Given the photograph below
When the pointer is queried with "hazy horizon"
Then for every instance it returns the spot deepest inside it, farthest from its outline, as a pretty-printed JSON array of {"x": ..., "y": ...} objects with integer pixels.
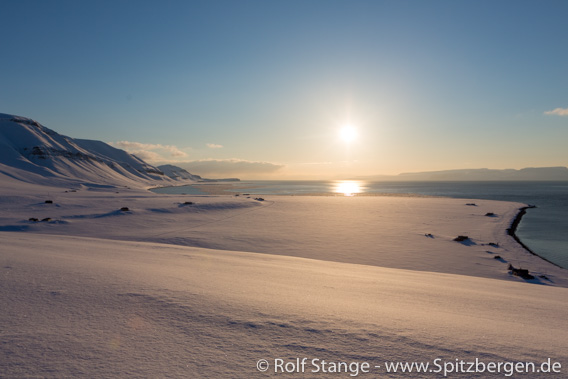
[
  {"x": 552, "y": 173},
  {"x": 295, "y": 90}
]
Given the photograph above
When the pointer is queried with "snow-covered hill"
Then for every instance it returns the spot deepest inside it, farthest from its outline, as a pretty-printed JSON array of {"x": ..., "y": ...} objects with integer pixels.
[
  {"x": 176, "y": 172},
  {"x": 32, "y": 153}
]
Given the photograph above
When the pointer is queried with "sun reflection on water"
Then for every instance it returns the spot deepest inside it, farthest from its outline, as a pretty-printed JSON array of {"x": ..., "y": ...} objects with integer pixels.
[{"x": 348, "y": 187}]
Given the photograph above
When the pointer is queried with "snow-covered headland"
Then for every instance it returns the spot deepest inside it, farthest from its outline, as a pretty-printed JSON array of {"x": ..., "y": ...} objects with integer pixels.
[{"x": 100, "y": 277}]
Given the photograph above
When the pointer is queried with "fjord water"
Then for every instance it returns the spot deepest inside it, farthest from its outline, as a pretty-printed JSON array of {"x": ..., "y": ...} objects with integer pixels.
[{"x": 543, "y": 229}]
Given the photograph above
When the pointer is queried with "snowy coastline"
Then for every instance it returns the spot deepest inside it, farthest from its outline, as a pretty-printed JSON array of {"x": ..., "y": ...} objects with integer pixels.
[
  {"x": 220, "y": 190},
  {"x": 513, "y": 229},
  {"x": 208, "y": 285}
]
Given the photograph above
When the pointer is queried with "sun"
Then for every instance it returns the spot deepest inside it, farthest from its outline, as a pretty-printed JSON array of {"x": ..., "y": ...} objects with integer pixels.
[{"x": 348, "y": 133}]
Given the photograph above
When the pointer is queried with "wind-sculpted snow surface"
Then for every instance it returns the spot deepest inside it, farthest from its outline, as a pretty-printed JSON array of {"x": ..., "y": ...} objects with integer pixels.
[
  {"x": 399, "y": 232},
  {"x": 83, "y": 307},
  {"x": 101, "y": 278}
]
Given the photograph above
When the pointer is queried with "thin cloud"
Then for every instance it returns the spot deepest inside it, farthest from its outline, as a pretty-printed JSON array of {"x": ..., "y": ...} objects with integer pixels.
[
  {"x": 174, "y": 151},
  {"x": 229, "y": 167},
  {"x": 148, "y": 156},
  {"x": 149, "y": 151},
  {"x": 128, "y": 145},
  {"x": 557, "y": 112},
  {"x": 317, "y": 163},
  {"x": 214, "y": 146}
]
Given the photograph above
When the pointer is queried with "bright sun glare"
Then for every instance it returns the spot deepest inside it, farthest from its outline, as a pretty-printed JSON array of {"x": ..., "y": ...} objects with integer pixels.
[
  {"x": 348, "y": 187},
  {"x": 348, "y": 133}
]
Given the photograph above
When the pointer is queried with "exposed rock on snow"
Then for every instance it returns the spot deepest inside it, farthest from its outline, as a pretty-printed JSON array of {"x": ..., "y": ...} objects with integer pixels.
[
  {"x": 32, "y": 153},
  {"x": 207, "y": 290}
]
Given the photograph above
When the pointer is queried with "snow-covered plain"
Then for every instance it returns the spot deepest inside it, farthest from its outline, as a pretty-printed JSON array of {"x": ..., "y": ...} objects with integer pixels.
[
  {"x": 207, "y": 289},
  {"x": 101, "y": 278}
]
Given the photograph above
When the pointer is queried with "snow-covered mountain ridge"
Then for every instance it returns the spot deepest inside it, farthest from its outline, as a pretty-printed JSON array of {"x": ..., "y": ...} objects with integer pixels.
[{"x": 33, "y": 153}]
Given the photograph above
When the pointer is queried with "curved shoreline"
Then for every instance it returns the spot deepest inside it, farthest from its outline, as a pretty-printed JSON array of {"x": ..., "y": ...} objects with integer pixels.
[
  {"x": 206, "y": 188},
  {"x": 513, "y": 228}
]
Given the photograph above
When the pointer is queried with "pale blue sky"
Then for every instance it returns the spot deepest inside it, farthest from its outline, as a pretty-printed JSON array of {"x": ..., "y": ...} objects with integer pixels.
[{"x": 429, "y": 85}]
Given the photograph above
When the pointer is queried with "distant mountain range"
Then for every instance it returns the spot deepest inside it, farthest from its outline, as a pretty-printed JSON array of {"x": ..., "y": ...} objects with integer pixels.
[
  {"x": 179, "y": 173},
  {"x": 32, "y": 153},
  {"x": 482, "y": 174}
]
